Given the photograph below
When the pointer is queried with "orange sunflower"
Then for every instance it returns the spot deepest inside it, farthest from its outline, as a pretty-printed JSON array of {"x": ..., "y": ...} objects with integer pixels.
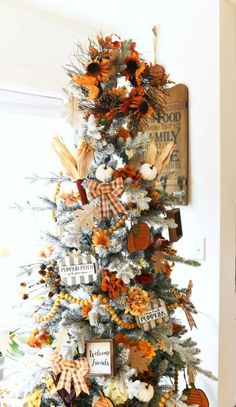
[
  {"x": 99, "y": 70},
  {"x": 134, "y": 67},
  {"x": 142, "y": 109}
]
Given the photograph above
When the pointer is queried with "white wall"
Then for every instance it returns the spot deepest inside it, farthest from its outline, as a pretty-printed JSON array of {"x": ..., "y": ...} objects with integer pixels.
[
  {"x": 227, "y": 357},
  {"x": 189, "y": 48},
  {"x": 36, "y": 45}
]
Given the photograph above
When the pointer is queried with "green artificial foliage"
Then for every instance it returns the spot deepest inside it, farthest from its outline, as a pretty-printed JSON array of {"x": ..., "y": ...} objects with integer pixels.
[{"x": 117, "y": 92}]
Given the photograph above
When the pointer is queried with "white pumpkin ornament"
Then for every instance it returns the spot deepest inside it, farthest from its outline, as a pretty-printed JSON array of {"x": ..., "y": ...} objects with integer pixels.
[
  {"x": 145, "y": 392},
  {"x": 155, "y": 162},
  {"x": 148, "y": 171},
  {"x": 104, "y": 173}
]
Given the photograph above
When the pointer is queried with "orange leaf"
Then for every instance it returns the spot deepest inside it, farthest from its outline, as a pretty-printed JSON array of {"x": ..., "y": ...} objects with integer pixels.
[
  {"x": 93, "y": 92},
  {"x": 138, "y": 360},
  {"x": 158, "y": 258},
  {"x": 93, "y": 50},
  {"x": 103, "y": 402},
  {"x": 88, "y": 82},
  {"x": 140, "y": 70}
]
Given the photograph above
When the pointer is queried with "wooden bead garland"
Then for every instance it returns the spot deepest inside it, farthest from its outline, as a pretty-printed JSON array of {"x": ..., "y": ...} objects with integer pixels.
[
  {"x": 55, "y": 196},
  {"x": 57, "y": 191},
  {"x": 172, "y": 307},
  {"x": 112, "y": 229},
  {"x": 164, "y": 398},
  {"x": 77, "y": 301}
]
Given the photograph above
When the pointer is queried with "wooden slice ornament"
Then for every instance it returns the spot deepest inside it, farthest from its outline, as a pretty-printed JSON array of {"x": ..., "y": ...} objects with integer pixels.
[
  {"x": 139, "y": 237},
  {"x": 195, "y": 396}
]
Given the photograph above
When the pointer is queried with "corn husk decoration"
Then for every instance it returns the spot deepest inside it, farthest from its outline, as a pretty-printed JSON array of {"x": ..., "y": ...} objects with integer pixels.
[
  {"x": 76, "y": 166},
  {"x": 155, "y": 162}
]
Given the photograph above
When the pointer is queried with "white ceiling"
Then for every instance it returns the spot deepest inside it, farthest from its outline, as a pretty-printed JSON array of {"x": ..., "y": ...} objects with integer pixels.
[{"x": 123, "y": 14}]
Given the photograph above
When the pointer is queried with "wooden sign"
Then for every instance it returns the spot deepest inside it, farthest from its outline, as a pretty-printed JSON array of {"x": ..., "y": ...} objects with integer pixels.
[
  {"x": 78, "y": 269},
  {"x": 100, "y": 357},
  {"x": 175, "y": 233},
  {"x": 173, "y": 126},
  {"x": 150, "y": 319}
]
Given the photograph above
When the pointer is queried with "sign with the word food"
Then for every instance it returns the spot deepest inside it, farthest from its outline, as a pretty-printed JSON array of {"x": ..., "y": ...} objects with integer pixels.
[
  {"x": 173, "y": 126},
  {"x": 100, "y": 356},
  {"x": 78, "y": 269}
]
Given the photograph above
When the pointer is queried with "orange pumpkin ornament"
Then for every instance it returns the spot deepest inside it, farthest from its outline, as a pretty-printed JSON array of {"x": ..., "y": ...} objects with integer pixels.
[
  {"x": 139, "y": 237},
  {"x": 196, "y": 396},
  {"x": 104, "y": 402}
]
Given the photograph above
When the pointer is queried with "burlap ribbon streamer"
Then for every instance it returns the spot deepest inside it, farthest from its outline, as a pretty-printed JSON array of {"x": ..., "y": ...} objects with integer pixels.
[
  {"x": 108, "y": 193},
  {"x": 186, "y": 304},
  {"x": 70, "y": 370}
]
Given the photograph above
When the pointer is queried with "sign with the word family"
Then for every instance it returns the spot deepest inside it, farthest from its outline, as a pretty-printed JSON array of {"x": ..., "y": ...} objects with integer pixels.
[
  {"x": 173, "y": 126},
  {"x": 100, "y": 356},
  {"x": 78, "y": 269}
]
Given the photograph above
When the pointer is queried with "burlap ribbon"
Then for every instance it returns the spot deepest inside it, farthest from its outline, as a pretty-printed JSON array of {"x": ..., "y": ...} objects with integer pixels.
[
  {"x": 186, "y": 304},
  {"x": 108, "y": 194},
  {"x": 189, "y": 316},
  {"x": 70, "y": 370}
]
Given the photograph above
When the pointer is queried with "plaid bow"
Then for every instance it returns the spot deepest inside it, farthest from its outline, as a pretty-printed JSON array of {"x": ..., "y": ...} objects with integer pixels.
[
  {"x": 187, "y": 305},
  {"x": 108, "y": 194},
  {"x": 71, "y": 370}
]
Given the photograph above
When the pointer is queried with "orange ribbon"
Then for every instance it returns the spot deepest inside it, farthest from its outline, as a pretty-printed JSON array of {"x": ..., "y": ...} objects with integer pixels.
[
  {"x": 186, "y": 304},
  {"x": 70, "y": 370},
  {"x": 108, "y": 193}
]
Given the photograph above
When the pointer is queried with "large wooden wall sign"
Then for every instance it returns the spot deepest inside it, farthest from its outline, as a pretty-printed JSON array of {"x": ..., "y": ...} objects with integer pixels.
[{"x": 173, "y": 126}]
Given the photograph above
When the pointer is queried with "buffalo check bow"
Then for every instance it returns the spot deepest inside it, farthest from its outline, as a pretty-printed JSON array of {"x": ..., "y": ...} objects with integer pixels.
[
  {"x": 108, "y": 194},
  {"x": 71, "y": 370}
]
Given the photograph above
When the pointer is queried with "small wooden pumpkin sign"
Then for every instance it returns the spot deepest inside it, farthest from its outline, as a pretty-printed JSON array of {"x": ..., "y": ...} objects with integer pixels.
[
  {"x": 196, "y": 396},
  {"x": 139, "y": 237}
]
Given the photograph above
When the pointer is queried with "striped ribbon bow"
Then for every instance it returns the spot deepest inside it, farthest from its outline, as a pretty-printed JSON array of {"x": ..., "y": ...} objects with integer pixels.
[
  {"x": 187, "y": 305},
  {"x": 71, "y": 370},
  {"x": 108, "y": 194}
]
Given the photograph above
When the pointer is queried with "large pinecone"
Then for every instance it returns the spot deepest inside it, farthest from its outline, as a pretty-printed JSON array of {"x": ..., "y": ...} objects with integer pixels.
[{"x": 106, "y": 102}]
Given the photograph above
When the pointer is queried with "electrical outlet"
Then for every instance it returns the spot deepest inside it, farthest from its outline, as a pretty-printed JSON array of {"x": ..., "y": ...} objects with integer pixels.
[{"x": 199, "y": 249}]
